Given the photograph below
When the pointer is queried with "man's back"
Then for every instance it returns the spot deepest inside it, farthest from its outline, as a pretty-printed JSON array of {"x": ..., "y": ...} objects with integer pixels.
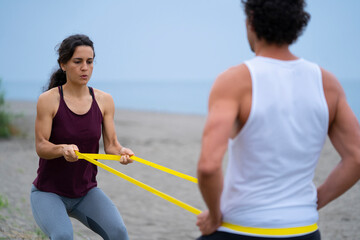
[
  {"x": 273, "y": 158},
  {"x": 272, "y": 26}
]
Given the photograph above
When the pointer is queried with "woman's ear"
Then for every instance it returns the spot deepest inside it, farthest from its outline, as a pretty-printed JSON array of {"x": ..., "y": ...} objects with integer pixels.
[{"x": 63, "y": 66}]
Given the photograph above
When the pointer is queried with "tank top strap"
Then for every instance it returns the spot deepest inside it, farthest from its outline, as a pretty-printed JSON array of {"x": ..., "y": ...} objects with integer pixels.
[
  {"x": 61, "y": 91},
  {"x": 62, "y": 94},
  {"x": 92, "y": 92}
]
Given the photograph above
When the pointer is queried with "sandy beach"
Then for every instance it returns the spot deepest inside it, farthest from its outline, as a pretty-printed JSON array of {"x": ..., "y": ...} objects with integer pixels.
[{"x": 170, "y": 140}]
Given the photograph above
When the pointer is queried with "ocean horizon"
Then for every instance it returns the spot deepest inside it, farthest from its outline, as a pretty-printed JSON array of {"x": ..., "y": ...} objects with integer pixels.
[{"x": 181, "y": 97}]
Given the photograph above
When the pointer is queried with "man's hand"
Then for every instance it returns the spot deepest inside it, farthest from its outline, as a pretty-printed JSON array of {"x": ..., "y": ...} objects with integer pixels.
[{"x": 206, "y": 223}]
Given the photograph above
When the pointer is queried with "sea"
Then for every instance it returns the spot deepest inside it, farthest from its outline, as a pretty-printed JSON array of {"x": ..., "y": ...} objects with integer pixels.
[
  {"x": 182, "y": 97},
  {"x": 179, "y": 97}
]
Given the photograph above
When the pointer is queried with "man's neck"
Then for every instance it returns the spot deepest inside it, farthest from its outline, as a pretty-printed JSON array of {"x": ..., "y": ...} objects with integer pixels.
[{"x": 274, "y": 51}]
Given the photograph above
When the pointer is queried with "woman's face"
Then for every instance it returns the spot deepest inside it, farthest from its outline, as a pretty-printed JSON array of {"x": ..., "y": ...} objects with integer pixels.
[{"x": 79, "y": 68}]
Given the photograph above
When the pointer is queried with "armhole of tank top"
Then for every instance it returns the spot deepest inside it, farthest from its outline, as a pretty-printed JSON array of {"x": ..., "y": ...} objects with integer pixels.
[
  {"x": 253, "y": 93},
  {"x": 322, "y": 95},
  {"x": 92, "y": 92},
  {"x": 61, "y": 97}
]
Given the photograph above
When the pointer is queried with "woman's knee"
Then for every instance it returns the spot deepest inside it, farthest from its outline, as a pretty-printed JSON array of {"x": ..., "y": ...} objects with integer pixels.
[
  {"x": 63, "y": 235},
  {"x": 118, "y": 232},
  {"x": 109, "y": 231}
]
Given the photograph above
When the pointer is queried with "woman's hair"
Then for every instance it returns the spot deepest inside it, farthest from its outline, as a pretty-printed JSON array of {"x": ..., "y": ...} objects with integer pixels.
[
  {"x": 66, "y": 51},
  {"x": 277, "y": 21}
]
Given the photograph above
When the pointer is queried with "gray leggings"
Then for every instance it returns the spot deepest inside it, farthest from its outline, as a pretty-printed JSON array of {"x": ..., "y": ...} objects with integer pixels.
[{"x": 95, "y": 210}]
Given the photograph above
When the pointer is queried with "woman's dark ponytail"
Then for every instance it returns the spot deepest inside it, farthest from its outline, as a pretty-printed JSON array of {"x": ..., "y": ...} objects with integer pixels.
[
  {"x": 58, "y": 78},
  {"x": 66, "y": 51}
]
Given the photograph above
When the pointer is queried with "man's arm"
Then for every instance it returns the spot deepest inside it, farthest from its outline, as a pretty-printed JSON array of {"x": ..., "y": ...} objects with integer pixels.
[
  {"x": 223, "y": 115},
  {"x": 344, "y": 133}
]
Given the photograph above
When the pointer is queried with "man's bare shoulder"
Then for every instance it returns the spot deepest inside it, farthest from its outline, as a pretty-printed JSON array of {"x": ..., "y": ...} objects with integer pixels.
[
  {"x": 330, "y": 82},
  {"x": 235, "y": 78},
  {"x": 332, "y": 87},
  {"x": 334, "y": 93},
  {"x": 235, "y": 72}
]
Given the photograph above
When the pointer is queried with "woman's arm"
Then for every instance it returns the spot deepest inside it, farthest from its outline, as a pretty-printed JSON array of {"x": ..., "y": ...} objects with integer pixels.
[
  {"x": 47, "y": 105},
  {"x": 111, "y": 143}
]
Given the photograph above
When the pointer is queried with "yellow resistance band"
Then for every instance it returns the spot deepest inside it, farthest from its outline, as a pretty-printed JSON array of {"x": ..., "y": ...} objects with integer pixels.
[
  {"x": 140, "y": 184},
  {"x": 248, "y": 230},
  {"x": 143, "y": 161}
]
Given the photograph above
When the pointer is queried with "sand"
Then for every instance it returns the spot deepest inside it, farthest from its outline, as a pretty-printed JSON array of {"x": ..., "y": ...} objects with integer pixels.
[{"x": 168, "y": 139}]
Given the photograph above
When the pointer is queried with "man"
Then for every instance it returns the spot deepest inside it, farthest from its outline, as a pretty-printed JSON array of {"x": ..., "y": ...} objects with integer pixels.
[{"x": 273, "y": 113}]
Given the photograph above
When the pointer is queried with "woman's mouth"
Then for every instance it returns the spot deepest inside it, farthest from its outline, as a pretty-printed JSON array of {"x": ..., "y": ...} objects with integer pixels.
[{"x": 84, "y": 76}]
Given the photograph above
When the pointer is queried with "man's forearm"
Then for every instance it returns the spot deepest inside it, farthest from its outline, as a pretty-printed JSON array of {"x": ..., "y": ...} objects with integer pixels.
[
  {"x": 342, "y": 178},
  {"x": 211, "y": 185}
]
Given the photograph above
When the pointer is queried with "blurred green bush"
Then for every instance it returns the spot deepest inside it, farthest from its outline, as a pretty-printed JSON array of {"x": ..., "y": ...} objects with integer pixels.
[{"x": 5, "y": 116}]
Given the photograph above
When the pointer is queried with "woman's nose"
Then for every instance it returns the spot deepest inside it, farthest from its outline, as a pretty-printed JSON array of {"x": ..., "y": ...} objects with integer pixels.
[{"x": 84, "y": 66}]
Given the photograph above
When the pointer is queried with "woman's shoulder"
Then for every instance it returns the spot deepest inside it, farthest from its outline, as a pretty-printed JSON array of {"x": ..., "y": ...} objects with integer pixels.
[
  {"x": 104, "y": 100},
  {"x": 101, "y": 95},
  {"x": 49, "y": 99},
  {"x": 50, "y": 95}
]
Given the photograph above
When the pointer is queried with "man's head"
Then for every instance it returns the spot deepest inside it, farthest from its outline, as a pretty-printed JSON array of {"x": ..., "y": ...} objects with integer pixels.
[{"x": 278, "y": 22}]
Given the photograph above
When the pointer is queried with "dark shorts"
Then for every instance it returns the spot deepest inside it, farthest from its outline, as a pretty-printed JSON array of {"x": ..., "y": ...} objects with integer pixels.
[{"x": 230, "y": 236}]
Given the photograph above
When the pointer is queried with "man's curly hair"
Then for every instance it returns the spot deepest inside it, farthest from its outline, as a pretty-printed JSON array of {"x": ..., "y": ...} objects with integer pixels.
[{"x": 277, "y": 21}]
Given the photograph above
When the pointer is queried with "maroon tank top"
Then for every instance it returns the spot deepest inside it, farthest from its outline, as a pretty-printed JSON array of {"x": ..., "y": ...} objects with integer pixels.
[{"x": 71, "y": 179}]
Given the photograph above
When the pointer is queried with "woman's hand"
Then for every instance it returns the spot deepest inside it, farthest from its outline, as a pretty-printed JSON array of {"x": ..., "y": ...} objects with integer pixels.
[
  {"x": 126, "y": 153},
  {"x": 69, "y": 152}
]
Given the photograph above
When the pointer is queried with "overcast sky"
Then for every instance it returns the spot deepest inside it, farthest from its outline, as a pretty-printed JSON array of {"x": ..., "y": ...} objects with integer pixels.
[{"x": 168, "y": 40}]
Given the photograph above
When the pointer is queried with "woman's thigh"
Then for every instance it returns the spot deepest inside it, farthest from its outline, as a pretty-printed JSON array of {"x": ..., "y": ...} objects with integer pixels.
[
  {"x": 50, "y": 214},
  {"x": 99, "y": 213}
]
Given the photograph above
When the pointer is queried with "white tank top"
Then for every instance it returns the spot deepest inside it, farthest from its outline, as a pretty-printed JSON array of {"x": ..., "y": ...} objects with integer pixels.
[{"x": 268, "y": 182}]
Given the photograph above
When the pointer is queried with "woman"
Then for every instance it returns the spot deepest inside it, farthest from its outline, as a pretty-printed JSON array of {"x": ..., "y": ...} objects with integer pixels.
[{"x": 70, "y": 117}]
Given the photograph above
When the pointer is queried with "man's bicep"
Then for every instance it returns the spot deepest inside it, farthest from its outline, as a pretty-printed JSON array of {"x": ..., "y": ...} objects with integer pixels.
[
  {"x": 344, "y": 132},
  {"x": 221, "y": 118},
  {"x": 215, "y": 137},
  {"x": 222, "y": 115}
]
